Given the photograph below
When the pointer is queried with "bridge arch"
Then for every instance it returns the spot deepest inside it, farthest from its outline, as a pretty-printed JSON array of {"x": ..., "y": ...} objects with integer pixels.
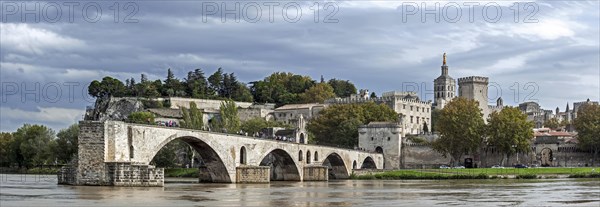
[
  {"x": 368, "y": 163},
  {"x": 283, "y": 167},
  {"x": 212, "y": 168},
  {"x": 337, "y": 167}
]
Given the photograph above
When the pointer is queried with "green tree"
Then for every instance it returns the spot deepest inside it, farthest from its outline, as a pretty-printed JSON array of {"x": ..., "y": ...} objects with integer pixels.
[
  {"x": 318, "y": 93},
  {"x": 281, "y": 88},
  {"x": 33, "y": 145},
  {"x": 256, "y": 124},
  {"x": 587, "y": 125},
  {"x": 460, "y": 125},
  {"x": 141, "y": 117},
  {"x": 67, "y": 143},
  {"x": 342, "y": 88},
  {"x": 338, "y": 124},
  {"x": 552, "y": 123},
  {"x": 373, "y": 95},
  {"x": 228, "y": 120},
  {"x": 166, "y": 156},
  {"x": 193, "y": 118},
  {"x": 435, "y": 115},
  {"x": 196, "y": 84},
  {"x": 6, "y": 139},
  {"x": 216, "y": 82},
  {"x": 108, "y": 86},
  {"x": 509, "y": 132}
]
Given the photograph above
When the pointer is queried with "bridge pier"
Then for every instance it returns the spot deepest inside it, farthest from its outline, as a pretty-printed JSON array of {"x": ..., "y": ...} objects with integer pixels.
[
  {"x": 252, "y": 174},
  {"x": 315, "y": 173}
]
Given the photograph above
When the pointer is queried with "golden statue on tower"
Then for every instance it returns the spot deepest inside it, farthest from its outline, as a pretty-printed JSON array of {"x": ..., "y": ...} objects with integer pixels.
[{"x": 444, "y": 59}]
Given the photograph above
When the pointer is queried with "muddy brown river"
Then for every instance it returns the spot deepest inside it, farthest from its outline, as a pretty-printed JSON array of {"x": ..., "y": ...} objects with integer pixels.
[{"x": 35, "y": 190}]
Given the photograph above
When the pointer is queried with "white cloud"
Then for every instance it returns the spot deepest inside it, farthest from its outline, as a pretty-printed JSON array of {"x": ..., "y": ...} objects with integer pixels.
[
  {"x": 35, "y": 41},
  {"x": 46, "y": 115}
]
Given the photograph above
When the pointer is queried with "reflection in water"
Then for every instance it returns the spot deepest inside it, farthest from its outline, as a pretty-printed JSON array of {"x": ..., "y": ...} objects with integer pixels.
[{"x": 20, "y": 190}]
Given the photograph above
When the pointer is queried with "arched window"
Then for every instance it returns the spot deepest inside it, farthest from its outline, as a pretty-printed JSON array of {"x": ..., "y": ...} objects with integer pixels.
[
  {"x": 243, "y": 155},
  {"x": 300, "y": 155},
  {"x": 316, "y": 156},
  {"x": 308, "y": 157},
  {"x": 354, "y": 164}
]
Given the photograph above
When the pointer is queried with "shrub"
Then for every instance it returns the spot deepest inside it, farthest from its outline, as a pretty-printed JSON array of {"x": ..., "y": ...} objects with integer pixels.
[{"x": 141, "y": 117}]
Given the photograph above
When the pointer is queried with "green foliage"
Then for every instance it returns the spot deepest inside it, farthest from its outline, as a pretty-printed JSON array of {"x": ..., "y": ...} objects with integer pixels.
[
  {"x": 166, "y": 156},
  {"x": 587, "y": 124},
  {"x": 108, "y": 86},
  {"x": 338, "y": 124},
  {"x": 509, "y": 131},
  {"x": 460, "y": 125},
  {"x": 141, "y": 117},
  {"x": 281, "y": 88},
  {"x": 435, "y": 114},
  {"x": 5, "y": 149},
  {"x": 192, "y": 117},
  {"x": 318, "y": 93},
  {"x": 33, "y": 145},
  {"x": 416, "y": 175},
  {"x": 228, "y": 121},
  {"x": 417, "y": 139},
  {"x": 256, "y": 124},
  {"x": 342, "y": 88},
  {"x": 552, "y": 123},
  {"x": 373, "y": 95},
  {"x": 67, "y": 143},
  {"x": 152, "y": 103}
]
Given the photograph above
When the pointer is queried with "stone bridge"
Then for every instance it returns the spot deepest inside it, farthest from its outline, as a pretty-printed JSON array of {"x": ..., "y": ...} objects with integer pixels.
[{"x": 118, "y": 153}]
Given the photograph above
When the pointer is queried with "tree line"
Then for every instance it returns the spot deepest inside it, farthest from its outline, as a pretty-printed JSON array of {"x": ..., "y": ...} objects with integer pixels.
[
  {"x": 37, "y": 145},
  {"x": 463, "y": 130},
  {"x": 280, "y": 88}
]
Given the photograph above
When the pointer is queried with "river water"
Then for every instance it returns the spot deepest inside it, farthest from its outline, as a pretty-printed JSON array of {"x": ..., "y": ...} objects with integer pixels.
[{"x": 32, "y": 190}]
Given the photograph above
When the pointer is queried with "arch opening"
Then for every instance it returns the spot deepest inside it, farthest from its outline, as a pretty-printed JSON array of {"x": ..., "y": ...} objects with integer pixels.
[
  {"x": 190, "y": 152},
  {"x": 354, "y": 165},
  {"x": 308, "y": 157},
  {"x": 243, "y": 155},
  {"x": 336, "y": 167},
  {"x": 283, "y": 167},
  {"x": 379, "y": 149},
  {"x": 300, "y": 155},
  {"x": 368, "y": 163},
  {"x": 316, "y": 156}
]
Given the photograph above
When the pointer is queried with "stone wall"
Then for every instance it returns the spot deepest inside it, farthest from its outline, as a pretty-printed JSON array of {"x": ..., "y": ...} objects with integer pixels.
[
  {"x": 91, "y": 169},
  {"x": 316, "y": 173},
  {"x": 128, "y": 174},
  {"x": 418, "y": 156},
  {"x": 252, "y": 174}
]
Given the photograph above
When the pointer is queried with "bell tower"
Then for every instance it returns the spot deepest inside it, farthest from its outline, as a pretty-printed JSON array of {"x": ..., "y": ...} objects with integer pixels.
[{"x": 444, "y": 87}]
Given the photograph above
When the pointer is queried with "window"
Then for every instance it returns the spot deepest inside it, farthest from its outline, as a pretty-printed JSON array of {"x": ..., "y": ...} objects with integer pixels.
[
  {"x": 417, "y": 119},
  {"x": 308, "y": 157},
  {"x": 389, "y": 139},
  {"x": 372, "y": 138},
  {"x": 411, "y": 108},
  {"x": 300, "y": 155},
  {"x": 411, "y": 119},
  {"x": 316, "y": 156},
  {"x": 404, "y": 106}
]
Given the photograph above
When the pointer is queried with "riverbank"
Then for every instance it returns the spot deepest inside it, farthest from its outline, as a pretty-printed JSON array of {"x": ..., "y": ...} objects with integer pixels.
[
  {"x": 481, "y": 173},
  {"x": 35, "y": 171},
  {"x": 182, "y": 172}
]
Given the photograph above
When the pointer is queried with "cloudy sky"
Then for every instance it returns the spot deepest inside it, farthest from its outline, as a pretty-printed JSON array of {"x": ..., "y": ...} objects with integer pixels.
[{"x": 544, "y": 51}]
